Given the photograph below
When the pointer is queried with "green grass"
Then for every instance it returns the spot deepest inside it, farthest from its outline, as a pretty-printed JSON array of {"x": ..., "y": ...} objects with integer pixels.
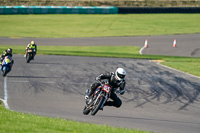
[
  {"x": 104, "y": 51},
  {"x": 97, "y": 25},
  {"x": 188, "y": 65},
  {"x": 179, "y": 63},
  {"x": 15, "y": 122}
]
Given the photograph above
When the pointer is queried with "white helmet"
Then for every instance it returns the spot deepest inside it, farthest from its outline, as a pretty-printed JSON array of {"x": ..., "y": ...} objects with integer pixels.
[{"x": 120, "y": 74}]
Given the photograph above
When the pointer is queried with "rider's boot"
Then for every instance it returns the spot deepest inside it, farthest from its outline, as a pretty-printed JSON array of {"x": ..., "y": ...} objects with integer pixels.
[{"x": 25, "y": 53}]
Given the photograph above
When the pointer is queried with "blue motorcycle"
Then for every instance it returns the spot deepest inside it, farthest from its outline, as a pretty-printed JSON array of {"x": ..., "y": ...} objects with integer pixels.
[{"x": 6, "y": 65}]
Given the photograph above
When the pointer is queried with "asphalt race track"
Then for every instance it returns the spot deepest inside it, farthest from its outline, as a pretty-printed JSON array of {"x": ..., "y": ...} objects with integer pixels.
[
  {"x": 187, "y": 44},
  {"x": 157, "y": 98}
]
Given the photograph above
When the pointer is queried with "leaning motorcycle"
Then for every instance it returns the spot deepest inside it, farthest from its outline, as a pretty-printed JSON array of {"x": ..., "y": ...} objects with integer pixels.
[
  {"x": 6, "y": 65},
  {"x": 30, "y": 54},
  {"x": 98, "y": 99}
]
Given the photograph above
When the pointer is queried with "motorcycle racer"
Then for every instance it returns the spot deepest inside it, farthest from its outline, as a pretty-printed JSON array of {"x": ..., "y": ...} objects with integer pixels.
[
  {"x": 5, "y": 53},
  {"x": 31, "y": 45},
  {"x": 116, "y": 80}
]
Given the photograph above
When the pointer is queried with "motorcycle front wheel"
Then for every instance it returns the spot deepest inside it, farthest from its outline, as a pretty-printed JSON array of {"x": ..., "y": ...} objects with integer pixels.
[
  {"x": 86, "y": 111},
  {"x": 97, "y": 106},
  {"x": 4, "y": 72},
  {"x": 28, "y": 58}
]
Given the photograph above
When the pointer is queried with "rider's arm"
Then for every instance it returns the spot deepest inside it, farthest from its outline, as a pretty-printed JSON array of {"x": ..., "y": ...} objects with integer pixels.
[
  {"x": 27, "y": 46},
  {"x": 122, "y": 88},
  {"x": 103, "y": 76},
  {"x": 3, "y": 54}
]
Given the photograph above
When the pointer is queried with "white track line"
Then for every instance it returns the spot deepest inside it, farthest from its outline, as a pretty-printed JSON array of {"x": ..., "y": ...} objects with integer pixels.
[
  {"x": 5, "y": 94},
  {"x": 141, "y": 50}
]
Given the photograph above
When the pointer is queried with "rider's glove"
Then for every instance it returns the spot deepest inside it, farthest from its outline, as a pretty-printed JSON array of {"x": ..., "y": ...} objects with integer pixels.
[
  {"x": 98, "y": 78},
  {"x": 121, "y": 92}
]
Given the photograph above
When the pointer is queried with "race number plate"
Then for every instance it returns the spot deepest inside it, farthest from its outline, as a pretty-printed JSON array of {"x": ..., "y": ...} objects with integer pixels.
[{"x": 106, "y": 88}]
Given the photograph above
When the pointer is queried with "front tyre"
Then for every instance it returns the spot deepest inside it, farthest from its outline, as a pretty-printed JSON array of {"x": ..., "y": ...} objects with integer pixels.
[
  {"x": 4, "y": 71},
  {"x": 28, "y": 58},
  {"x": 86, "y": 111},
  {"x": 97, "y": 106}
]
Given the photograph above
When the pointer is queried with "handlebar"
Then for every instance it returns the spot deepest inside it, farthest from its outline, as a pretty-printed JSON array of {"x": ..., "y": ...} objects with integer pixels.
[{"x": 100, "y": 82}]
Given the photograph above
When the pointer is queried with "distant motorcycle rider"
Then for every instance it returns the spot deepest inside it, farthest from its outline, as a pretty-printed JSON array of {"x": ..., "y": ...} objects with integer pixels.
[
  {"x": 5, "y": 53},
  {"x": 116, "y": 80},
  {"x": 31, "y": 45}
]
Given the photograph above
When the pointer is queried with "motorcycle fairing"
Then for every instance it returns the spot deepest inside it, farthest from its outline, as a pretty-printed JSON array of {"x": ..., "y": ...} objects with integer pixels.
[{"x": 106, "y": 88}]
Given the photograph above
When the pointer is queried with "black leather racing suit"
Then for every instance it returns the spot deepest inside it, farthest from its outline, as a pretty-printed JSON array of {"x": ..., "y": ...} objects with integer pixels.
[{"x": 115, "y": 84}]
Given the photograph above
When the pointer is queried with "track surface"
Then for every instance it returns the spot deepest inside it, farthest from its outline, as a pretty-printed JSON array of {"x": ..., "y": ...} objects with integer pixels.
[
  {"x": 187, "y": 44},
  {"x": 157, "y": 98}
]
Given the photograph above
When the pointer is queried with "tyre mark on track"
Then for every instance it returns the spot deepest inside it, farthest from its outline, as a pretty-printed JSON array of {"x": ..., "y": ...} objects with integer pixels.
[{"x": 195, "y": 51}]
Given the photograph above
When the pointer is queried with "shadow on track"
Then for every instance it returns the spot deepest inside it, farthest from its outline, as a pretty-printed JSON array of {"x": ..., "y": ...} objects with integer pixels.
[
  {"x": 195, "y": 52},
  {"x": 29, "y": 77},
  {"x": 158, "y": 86},
  {"x": 46, "y": 63}
]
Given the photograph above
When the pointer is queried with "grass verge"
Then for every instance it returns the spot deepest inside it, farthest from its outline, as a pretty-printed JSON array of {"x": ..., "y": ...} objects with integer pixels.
[
  {"x": 15, "y": 122},
  {"x": 177, "y": 62},
  {"x": 59, "y": 26}
]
